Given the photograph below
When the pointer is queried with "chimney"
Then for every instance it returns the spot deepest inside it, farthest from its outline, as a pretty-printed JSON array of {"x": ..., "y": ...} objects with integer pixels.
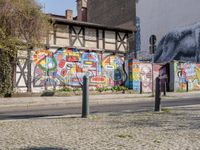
[
  {"x": 82, "y": 10},
  {"x": 69, "y": 14}
]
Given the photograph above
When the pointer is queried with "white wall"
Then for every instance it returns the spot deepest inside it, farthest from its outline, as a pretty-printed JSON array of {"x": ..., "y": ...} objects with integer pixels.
[{"x": 161, "y": 16}]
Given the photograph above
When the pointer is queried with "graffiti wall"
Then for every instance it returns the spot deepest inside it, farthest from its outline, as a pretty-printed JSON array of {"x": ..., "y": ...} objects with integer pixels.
[
  {"x": 68, "y": 66},
  {"x": 142, "y": 73},
  {"x": 187, "y": 72},
  {"x": 179, "y": 37},
  {"x": 134, "y": 76},
  {"x": 138, "y": 36},
  {"x": 113, "y": 68},
  {"x": 182, "y": 44},
  {"x": 164, "y": 78}
]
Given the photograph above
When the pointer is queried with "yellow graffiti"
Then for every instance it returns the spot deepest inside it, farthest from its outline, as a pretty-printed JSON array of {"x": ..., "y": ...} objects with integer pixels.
[
  {"x": 39, "y": 56},
  {"x": 197, "y": 71},
  {"x": 136, "y": 77},
  {"x": 69, "y": 52}
]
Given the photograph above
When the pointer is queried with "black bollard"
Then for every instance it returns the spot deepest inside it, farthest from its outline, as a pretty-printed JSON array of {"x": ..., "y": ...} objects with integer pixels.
[
  {"x": 187, "y": 86},
  {"x": 85, "y": 97},
  {"x": 140, "y": 87},
  {"x": 157, "y": 96}
]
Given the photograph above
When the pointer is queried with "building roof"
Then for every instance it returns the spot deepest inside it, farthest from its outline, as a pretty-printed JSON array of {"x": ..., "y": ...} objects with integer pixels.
[{"x": 62, "y": 20}]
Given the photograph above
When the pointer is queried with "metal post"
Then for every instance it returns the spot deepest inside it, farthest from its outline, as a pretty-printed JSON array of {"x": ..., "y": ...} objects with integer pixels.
[
  {"x": 140, "y": 87},
  {"x": 85, "y": 97},
  {"x": 157, "y": 96},
  {"x": 29, "y": 69},
  {"x": 152, "y": 48},
  {"x": 187, "y": 86},
  {"x": 152, "y": 76}
]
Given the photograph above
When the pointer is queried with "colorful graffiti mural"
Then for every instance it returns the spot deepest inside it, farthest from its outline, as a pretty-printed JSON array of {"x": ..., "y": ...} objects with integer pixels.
[
  {"x": 164, "y": 78},
  {"x": 113, "y": 68},
  {"x": 142, "y": 73},
  {"x": 134, "y": 76},
  {"x": 52, "y": 69},
  {"x": 68, "y": 66},
  {"x": 187, "y": 72}
]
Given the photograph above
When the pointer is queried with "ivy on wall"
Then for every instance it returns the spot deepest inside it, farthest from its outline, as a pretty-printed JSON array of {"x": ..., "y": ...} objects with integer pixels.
[
  {"x": 8, "y": 53},
  {"x": 22, "y": 25}
]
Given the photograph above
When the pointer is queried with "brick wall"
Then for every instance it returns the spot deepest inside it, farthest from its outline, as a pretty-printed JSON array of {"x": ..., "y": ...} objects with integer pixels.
[{"x": 120, "y": 13}]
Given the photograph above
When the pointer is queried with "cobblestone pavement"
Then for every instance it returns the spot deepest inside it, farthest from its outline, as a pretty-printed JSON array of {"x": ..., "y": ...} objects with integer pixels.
[{"x": 173, "y": 129}]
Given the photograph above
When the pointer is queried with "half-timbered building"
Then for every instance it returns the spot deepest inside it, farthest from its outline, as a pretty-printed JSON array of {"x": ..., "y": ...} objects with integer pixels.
[{"x": 72, "y": 50}]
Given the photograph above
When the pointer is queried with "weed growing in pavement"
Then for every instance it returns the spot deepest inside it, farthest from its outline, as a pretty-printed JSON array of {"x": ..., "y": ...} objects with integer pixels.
[
  {"x": 157, "y": 141},
  {"x": 125, "y": 136},
  {"x": 93, "y": 117},
  {"x": 167, "y": 110}
]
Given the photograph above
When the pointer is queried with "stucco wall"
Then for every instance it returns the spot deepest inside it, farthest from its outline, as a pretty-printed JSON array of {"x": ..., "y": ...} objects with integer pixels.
[{"x": 60, "y": 37}]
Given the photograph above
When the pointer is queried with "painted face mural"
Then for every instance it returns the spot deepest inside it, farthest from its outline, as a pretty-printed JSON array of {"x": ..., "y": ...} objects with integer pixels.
[
  {"x": 68, "y": 66},
  {"x": 141, "y": 73},
  {"x": 114, "y": 71},
  {"x": 146, "y": 77}
]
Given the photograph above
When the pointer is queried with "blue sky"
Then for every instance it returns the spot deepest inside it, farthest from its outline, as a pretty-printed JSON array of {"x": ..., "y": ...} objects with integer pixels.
[{"x": 58, "y": 6}]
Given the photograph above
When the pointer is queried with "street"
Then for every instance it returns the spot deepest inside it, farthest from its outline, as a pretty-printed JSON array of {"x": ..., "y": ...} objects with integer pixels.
[{"x": 60, "y": 110}]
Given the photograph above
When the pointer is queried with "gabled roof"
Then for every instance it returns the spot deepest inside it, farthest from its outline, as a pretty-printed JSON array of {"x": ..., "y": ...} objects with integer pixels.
[{"x": 62, "y": 20}]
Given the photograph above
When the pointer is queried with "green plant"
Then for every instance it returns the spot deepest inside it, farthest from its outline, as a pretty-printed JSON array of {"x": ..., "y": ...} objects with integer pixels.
[
  {"x": 181, "y": 91},
  {"x": 102, "y": 89},
  {"x": 65, "y": 89},
  {"x": 76, "y": 89},
  {"x": 119, "y": 88},
  {"x": 48, "y": 93}
]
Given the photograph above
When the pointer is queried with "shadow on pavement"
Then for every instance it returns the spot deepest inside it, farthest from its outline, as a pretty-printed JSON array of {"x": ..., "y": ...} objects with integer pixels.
[
  {"x": 175, "y": 119},
  {"x": 47, "y": 93},
  {"x": 9, "y": 117},
  {"x": 44, "y": 148}
]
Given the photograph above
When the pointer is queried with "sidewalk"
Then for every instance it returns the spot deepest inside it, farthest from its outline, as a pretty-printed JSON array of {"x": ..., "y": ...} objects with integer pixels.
[{"x": 94, "y": 99}]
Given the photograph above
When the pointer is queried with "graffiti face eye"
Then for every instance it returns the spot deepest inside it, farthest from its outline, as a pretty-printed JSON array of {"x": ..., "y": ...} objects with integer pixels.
[{"x": 69, "y": 66}]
